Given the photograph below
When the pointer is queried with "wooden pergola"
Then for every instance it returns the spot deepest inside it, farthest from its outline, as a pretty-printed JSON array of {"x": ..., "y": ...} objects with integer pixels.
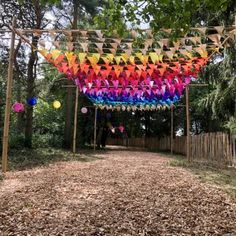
[{"x": 216, "y": 37}]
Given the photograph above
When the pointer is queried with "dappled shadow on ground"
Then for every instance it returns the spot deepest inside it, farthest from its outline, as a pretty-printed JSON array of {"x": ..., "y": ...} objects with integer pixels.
[
  {"x": 121, "y": 193},
  {"x": 31, "y": 158}
]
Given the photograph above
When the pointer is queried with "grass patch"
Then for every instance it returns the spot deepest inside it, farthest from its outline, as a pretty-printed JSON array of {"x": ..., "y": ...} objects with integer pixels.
[
  {"x": 30, "y": 158},
  {"x": 224, "y": 178}
]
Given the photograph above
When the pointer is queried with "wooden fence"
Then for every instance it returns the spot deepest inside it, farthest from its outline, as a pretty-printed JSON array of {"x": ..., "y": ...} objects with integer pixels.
[{"x": 219, "y": 148}]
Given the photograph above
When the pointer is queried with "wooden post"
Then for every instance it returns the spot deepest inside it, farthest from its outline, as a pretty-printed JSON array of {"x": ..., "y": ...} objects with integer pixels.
[
  {"x": 95, "y": 129},
  {"x": 75, "y": 119},
  {"x": 8, "y": 101},
  {"x": 172, "y": 130},
  {"x": 187, "y": 125}
]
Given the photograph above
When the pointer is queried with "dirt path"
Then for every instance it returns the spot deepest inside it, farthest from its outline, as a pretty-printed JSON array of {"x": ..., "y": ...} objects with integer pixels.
[{"x": 124, "y": 193}]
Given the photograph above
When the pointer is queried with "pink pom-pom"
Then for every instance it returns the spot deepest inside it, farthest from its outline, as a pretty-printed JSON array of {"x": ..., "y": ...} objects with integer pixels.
[
  {"x": 121, "y": 128},
  {"x": 18, "y": 107}
]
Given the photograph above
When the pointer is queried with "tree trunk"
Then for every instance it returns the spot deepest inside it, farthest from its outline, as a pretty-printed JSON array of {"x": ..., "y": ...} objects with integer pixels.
[
  {"x": 68, "y": 117},
  {"x": 69, "y": 95},
  {"x": 30, "y": 93},
  {"x": 31, "y": 76}
]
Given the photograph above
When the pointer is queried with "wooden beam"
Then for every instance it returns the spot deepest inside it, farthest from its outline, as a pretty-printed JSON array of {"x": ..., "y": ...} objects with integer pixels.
[
  {"x": 187, "y": 125},
  {"x": 25, "y": 31},
  {"x": 75, "y": 120},
  {"x": 192, "y": 85},
  {"x": 172, "y": 130},
  {"x": 8, "y": 102},
  {"x": 198, "y": 85},
  {"x": 95, "y": 129}
]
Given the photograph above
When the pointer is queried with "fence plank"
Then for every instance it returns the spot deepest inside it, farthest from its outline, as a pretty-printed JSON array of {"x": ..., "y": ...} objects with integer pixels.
[{"x": 218, "y": 148}]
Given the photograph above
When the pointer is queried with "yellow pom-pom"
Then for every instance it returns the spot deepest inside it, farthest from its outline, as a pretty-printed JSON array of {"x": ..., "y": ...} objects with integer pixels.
[{"x": 56, "y": 104}]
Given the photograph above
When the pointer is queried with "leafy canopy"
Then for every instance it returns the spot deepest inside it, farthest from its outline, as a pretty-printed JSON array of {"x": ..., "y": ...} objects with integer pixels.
[
  {"x": 43, "y": 2},
  {"x": 178, "y": 14}
]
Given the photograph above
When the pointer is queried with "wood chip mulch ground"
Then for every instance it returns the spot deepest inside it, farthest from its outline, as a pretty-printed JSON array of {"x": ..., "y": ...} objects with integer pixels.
[{"x": 123, "y": 193}]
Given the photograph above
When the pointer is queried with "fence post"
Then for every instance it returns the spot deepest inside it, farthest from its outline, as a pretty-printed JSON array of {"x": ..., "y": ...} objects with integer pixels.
[
  {"x": 187, "y": 125},
  {"x": 75, "y": 120},
  {"x": 95, "y": 129},
  {"x": 172, "y": 130}
]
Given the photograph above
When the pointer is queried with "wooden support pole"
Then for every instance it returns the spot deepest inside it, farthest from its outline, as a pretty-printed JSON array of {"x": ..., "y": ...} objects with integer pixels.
[
  {"x": 172, "y": 130},
  {"x": 75, "y": 119},
  {"x": 95, "y": 129},
  {"x": 187, "y": 125},
  {"x": 8, "y": 101}
]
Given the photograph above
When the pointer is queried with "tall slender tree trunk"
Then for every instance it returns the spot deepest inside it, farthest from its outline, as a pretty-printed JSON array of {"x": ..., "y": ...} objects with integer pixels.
[
  {"x": 69, "y": 94},
  {"x": 30, "y": 93},
  {"x": 31, "y": 76},
  {"x": 68, "y": 117}
]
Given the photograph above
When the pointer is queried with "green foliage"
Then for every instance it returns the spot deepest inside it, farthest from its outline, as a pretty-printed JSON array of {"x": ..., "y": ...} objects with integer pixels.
[
  {"x": 221, "y": 98},
  {"x": 178, "y": 15},
  {"x": 43, "y": 2},
  {"x": 16, "y": 140},
  {"x": 231, "y": 124},
  {"x": 111, "y": 18},
  {"x": 48, "y": 124}
]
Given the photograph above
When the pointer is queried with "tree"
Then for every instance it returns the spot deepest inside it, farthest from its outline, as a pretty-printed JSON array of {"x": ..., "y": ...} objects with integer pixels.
[
  {"x": 220, "y": 101},
  {"x": 30, "y": 14},
  {"x": 178, "y": 15}
]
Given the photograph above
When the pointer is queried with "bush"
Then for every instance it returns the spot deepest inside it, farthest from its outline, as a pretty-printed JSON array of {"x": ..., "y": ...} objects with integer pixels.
[
  {"x": 16, "y": 141},
  {"x": 46, "y": 140}
]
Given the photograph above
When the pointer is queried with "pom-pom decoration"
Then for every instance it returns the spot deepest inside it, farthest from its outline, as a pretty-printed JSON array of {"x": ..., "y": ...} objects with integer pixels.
[
  {"x": 32, "y": 101},
  {"x": 18, "y": 107},
  {"x": 84, "y": 110},
  {"x": 121, "y": 128},
  {"x": 56, "y": 104}
]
